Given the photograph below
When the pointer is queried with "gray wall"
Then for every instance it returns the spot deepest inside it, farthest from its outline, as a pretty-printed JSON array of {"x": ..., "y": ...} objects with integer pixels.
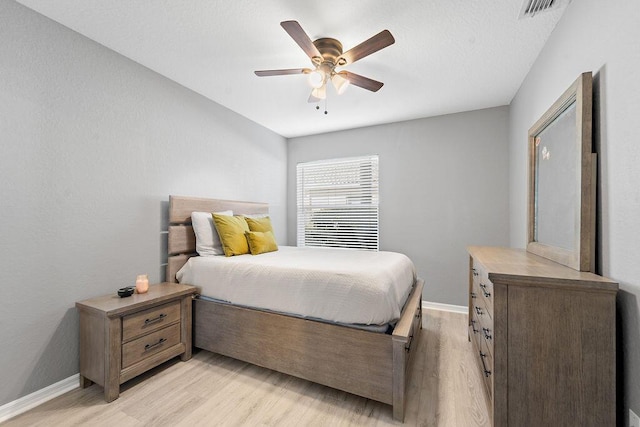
[
  {"x": 602, "y": 37},
  {"x": 92, "y": 146},
  {"x": 443, "y": 186}
]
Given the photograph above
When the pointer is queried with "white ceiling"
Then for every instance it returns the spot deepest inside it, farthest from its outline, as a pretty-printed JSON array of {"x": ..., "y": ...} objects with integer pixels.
[{"x": 449, "y": 56}]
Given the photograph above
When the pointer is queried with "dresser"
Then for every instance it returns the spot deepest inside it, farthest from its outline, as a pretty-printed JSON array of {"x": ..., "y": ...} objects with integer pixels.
[
  {"x": 121, "y": 338},
  {"x": 544, "y": 339}
]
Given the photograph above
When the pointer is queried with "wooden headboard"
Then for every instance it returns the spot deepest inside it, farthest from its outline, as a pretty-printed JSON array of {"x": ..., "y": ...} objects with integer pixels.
[{"x": 182, "y": 240}]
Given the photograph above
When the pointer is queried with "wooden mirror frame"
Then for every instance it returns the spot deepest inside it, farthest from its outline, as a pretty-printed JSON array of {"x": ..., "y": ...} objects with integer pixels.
[{"x": 582, "y": 256}]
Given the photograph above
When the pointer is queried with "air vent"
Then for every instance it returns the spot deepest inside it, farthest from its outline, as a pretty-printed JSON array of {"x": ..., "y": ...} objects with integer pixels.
[{"x": 531, "y": 8}]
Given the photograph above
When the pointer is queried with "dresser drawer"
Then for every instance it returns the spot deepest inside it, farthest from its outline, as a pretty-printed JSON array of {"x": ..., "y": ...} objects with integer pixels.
[
  {"x": 484, "y": 359},
  {"x": 486, "y": 334},
  {"x": 482, "y": 294},
  {"x": 143, "y": 347},
  {"x": 480, "y": 311},
  {"x": 141, "y": 323},
  {"x": 486, "y": 293},
  {"x": 474, "y": 325},
  {"x": 486, "y": 362},
  {"x": 482, "y": 286},
  {"x": 474, "y": 329}
]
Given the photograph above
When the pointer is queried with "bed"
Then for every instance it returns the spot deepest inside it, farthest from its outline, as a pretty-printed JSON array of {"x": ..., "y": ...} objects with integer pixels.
[{"x": 372, "y": 364}]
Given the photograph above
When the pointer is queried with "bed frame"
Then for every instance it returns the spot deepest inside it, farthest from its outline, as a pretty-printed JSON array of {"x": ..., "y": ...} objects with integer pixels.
[{"x": 369, "y": 364}]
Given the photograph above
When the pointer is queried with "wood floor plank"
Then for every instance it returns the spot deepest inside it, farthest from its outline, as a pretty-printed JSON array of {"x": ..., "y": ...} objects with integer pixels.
[{"x": 210, "y": 389}]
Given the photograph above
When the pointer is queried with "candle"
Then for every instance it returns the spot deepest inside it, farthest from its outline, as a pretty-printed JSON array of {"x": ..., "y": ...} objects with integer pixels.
[{"x": 142, "y": 283}]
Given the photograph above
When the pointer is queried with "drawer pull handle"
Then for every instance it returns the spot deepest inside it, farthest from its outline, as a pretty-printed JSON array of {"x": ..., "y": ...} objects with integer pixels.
[
  {"x": 484, "y": 290},
  {"x": 407, "y": 346},
  {"x": 487, "y": 333},
  {"x": 473, "y": 295},
  {"x": 484, "y": 367},
  {"x": 479, "y": 311},
  {"x": 157, "y": 319},
  {"x": 150, "y": 346},
  {"x": 475, "y": 273},
  {"x": 473, "y": 327}
]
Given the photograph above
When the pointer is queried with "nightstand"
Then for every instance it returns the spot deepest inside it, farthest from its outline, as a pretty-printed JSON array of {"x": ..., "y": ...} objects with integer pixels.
[{"x": 121, "y": 338}]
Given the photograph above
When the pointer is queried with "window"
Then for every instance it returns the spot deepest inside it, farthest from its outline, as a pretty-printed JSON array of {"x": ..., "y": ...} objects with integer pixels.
[{"x": 338, "y": 203}]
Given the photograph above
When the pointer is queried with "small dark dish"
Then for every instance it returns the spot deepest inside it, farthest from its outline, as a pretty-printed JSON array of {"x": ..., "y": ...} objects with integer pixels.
[{"x": 126, "y": 292}]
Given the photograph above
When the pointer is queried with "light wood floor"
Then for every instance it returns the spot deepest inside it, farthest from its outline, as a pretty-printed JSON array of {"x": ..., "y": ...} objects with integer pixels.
[{"x": 212, "y": 390}]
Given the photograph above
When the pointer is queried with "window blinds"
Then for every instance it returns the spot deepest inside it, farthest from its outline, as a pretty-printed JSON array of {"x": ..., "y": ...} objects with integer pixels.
[{"x": 338, "y": 203}]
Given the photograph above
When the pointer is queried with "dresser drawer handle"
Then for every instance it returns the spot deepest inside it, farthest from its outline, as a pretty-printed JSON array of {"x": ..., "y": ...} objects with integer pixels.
[
  {"x": 484, "y": 367},
  {"x": 473, "y": 295},
  {"x": 479, "y": 311},
  {"x": 150, "y": 346},
  {"x": 484, "y": 290},
  {"x": 487, "y": 333},
  {"x": 157, "y": 319},
  {"x": 473, "y": 327}
]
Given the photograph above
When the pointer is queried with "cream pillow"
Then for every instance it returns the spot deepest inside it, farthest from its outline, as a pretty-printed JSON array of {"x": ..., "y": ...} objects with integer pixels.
[
  {"x": 231, "y": 230},
  {"x": 207, "y": 239}
]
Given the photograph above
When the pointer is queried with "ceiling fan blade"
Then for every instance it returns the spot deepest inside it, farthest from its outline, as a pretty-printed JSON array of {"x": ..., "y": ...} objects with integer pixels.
[
  {"x": 299, "y": 36},
  {"x": 266, "y": 73},
  {"x": 361, "y": 81},
  {"x": 367, "y": 47}
]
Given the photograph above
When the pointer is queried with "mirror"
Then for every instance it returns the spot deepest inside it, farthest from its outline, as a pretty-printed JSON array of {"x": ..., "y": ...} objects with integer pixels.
[
  {"x": 562, "y": 180},
  {"x": 556, "y": 190}
]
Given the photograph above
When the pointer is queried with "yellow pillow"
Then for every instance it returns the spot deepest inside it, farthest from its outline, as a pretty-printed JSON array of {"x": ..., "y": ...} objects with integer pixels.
[
  {"x": 259, "y": 224},
  {"x": 261, "y": 242},
  {"x": 231, "y": 230}
]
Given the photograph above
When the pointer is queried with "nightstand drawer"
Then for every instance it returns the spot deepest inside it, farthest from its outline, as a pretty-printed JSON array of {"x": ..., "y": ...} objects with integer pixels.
[
  {"x": 141, "y": 348},
  {"x": 150, "y": 320}
]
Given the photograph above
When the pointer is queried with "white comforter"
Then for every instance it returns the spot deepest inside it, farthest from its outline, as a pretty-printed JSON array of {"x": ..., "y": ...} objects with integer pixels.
[{"x": 338, "y": 285}]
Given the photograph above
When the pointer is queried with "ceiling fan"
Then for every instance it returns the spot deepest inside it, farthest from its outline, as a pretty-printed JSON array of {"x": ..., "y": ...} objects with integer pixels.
[{"x": 326, "y": 54}]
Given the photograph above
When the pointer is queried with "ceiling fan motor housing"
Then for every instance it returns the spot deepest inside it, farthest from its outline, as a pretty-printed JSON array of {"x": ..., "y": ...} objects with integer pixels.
[{"x": 330, "y": 49}]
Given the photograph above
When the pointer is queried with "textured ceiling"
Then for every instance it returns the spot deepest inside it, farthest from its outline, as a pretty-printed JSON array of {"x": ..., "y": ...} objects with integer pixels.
[{"x": 449, "y": 55}]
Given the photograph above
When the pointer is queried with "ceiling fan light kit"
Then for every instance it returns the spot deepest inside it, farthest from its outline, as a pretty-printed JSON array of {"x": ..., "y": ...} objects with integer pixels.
[
  {"x": 326, "y": 54},
  {"x": 318, "y": 94},
  {"x": 340, "y": 82},
  {"x": 316, "y": 78}
]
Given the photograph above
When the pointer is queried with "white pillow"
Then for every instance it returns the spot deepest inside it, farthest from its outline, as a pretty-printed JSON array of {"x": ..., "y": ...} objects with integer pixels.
[{"x": 207, "y": 239}]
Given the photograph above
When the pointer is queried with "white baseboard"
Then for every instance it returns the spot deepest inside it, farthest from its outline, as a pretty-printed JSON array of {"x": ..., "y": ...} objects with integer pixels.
[
  {"x": 445, "y": 307},
  {"x": 17, "y": 407}
]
